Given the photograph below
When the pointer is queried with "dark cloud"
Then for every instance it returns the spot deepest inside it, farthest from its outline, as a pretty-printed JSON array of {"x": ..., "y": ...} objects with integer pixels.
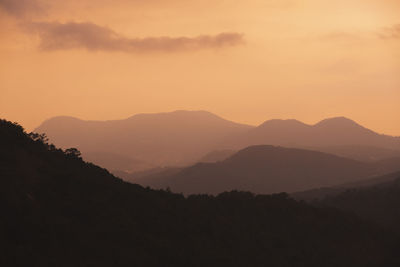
[
  {"x": 390, "y": 32},
  {"x": 59, "y": 36},
  {"x": 22, "y": 8}
]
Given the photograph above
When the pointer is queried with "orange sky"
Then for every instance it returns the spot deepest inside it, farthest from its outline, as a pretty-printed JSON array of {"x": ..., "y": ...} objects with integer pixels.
[{"x": 247, "y": 61}]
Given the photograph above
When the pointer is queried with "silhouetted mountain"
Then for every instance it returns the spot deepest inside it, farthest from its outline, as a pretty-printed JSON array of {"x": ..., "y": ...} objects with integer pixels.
[
  {"x": 174, "y": 138},
  {"x": 58, "y": 210},
  {"x": 321, "y": 193},
  {"x": 181, "y": 138},
  {"x": 217, "y": 155},
  {"x": 379, "y": 202},
  {"x": 268, "y": 169},
  {"x": 339, "y": 136},
  {"x": 391, "y": 164},
  {"x": 360, "y": 153}
]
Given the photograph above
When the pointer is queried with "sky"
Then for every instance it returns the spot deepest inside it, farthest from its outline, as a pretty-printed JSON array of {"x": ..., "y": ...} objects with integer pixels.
[{"x": 245, "y": 60}]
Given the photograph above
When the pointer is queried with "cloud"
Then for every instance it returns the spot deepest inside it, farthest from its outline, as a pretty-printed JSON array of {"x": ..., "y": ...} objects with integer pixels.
[
  {"x": 89, "y": 36},
  {"x": 390, "y": 32},
  {"x": 22, "y": 8}
]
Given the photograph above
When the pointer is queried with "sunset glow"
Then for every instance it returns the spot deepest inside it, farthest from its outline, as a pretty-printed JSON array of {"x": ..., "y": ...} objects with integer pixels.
[{"x": 247, "y": 61}]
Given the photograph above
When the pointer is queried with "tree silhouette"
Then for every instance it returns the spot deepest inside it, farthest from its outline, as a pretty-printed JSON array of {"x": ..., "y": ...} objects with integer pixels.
[
  {"x": 39, "y": 137},
  {"x": 73, "y": 152}
]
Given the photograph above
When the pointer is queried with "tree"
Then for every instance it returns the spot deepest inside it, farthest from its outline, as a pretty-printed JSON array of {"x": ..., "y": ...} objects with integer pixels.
[
  {"x": 73, "y": 152},
  {"x": 39, "y": 137}
]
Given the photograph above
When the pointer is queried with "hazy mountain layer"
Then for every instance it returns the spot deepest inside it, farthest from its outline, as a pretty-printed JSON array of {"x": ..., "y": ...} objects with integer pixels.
[
  {"x": 339, "y": 135},
  {"x": 182, "y": 138},
  {"x": 175, "y": 138},
  {"x": 324, "y": 192},
  {"x": 268, "y": 169}
]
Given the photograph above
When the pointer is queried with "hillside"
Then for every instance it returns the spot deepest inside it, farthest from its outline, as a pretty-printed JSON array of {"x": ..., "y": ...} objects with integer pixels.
[
  {"x": 60, "y": 211},
  {"x": 216, "y": 155},
  {"x": 267, "y": 169},
  {"x": 360, "y": 152},
  {"x": 379, "y": 202},
  {"x": 162, "y": 139},
  {"x": 316, "y": 194}
]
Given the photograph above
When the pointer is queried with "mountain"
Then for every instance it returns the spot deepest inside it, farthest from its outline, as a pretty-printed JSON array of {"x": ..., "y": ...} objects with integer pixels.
[
  {"x": 116, "y": 162},
  {"x": 175, "y": 138},
  {"x": 360, "y": 153},
  {"x": 58, "y": 210},
  {"x": 379, "y": 202},
  {"x": 316, "y": 194},
  {"x": 181, "y": 138},
  {"x": 141, "y": 176},
  {"x": 340, "y": 136},
  {"x": 268, "y": 169},
  {"x": 217, "y": 155}
]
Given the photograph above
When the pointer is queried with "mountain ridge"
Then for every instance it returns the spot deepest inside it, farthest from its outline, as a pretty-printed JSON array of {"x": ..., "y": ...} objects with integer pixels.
[
  {"x": 172, "y": 138},
  {"x": 181, "y": 138},
  {"x": 267, "y": 169},
  {"x": 335, "y": 131}
]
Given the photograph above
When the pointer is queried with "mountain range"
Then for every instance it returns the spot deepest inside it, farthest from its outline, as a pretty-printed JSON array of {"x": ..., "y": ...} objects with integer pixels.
[
  {"x": 338, "y": 135},
  {"x": 182, "y": 138},
  {"x": 329, "y": 132}
]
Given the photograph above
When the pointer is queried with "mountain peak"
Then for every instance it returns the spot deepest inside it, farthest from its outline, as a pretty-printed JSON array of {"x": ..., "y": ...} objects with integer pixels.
[
  {"x": 280, "y": 122},
  {"x": 63, "y": 118},
  {"x": 179, "y": 114},
  {"x": 337, "y": 122},
  {"x": 58, "y": 120}
]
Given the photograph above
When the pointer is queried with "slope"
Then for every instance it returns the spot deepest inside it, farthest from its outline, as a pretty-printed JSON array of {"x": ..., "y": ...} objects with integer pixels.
[{"x": 267, "y": 169}]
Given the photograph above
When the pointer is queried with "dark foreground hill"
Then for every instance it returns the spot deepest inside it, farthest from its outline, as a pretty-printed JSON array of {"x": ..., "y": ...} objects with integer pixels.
[
  {"x": 379, "y": 202},
  {"x": 57, "y": 210},
  {"x": 317, "y": 194},
  {"x": 376, "y": 199},
  {"x": 267, "y": 169}
]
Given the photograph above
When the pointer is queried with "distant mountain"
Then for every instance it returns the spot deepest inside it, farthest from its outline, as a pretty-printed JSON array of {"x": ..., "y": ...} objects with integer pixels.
[
  {"x": 137, "y": 177},
  {"x": 361, "y": 153},
  {"x": 340, "y": 136},
  {"x": 217, "y": 155},
  {"x": 268, "y": 169},
  {"x": 116, "y": 162},
  {"x": 327, "y": 192},
  {"x": 57, "y": 210},
  {"x": 181, "y": 138},
  {"x": 174, "y": 138}
]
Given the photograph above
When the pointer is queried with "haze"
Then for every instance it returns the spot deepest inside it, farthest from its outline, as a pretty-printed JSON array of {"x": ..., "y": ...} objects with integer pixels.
[{"x": 247, "y": 61}]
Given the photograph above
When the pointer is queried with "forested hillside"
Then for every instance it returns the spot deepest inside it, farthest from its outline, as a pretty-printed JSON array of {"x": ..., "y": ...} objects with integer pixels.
[{"x": 58, "y": 210}]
